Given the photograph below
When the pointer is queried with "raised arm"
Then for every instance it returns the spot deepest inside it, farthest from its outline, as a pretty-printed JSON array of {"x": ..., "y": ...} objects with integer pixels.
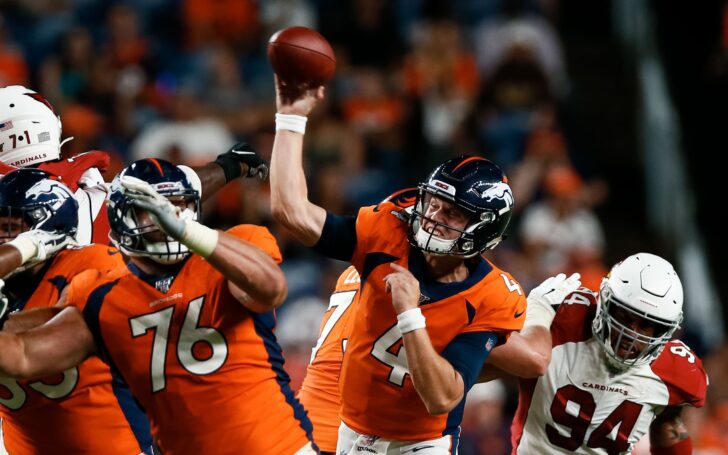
[
  {"x": 527, "y": 354},
  {"x": 63, "y": 342},
  {"x": 254, "y": 277},
  {"x": 668, "y": 435},
  {"x": 258, "y": 281},
  {"x": 289, "y": 194},
  {"x": 240, "y": 161}
]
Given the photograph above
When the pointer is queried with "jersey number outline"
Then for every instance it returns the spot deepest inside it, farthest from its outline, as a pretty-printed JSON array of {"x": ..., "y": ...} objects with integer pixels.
[
  {"x": 340, "y": 301},
  {"x": 56, "y": 391},
  {"x": 512, "y": 284},
  {"x": 397, "y": 362},
  {"x": 190, "y": 334},
  {"x": 625, "y": 415},
  {"x": 683, "y": 351}
]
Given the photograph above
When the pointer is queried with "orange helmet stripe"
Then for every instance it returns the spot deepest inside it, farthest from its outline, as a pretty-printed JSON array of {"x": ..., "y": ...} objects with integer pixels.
[
  {"x": 467, "y": 160},
  {"x": 156, "y": 163}
]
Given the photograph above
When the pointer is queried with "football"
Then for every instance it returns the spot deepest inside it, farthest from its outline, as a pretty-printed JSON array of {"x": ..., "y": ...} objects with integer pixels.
[{"x": 301, "y": 56}]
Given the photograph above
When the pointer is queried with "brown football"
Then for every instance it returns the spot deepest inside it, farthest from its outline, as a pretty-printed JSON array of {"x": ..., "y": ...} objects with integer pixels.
[{"x": 301, "y": 56}]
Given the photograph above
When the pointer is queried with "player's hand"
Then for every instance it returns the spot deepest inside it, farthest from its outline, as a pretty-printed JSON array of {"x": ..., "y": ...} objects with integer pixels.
[
  {"x": 164, "y": 213},
  {"x": 243, "y": 155},
  {"x": 544, "y": 299},
  {"x": 404, "y": 288},
  {"x": 43, "y": 244},
  {"x": 297, "y": 100}
]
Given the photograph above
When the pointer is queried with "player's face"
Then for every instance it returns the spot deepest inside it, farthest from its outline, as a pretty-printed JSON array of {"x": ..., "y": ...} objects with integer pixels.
[
  {"x": 10, "y": 227},
  {"x": 151, "y": 231},
  {"x": 440, "y": 215},
  {"x": 628, "y": 347}
]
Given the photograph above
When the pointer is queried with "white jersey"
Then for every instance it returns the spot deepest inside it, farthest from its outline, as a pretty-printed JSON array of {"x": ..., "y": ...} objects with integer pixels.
[{"x": 580, "y": 406}]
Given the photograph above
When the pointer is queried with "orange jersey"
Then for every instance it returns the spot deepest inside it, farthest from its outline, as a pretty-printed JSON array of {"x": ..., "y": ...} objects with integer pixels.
[
  {"x": 84, "y": 409},
  {"x": 319, "y": 392},
  {"x": 208, "y": 371},
  {"x": 378, "y": 397}
]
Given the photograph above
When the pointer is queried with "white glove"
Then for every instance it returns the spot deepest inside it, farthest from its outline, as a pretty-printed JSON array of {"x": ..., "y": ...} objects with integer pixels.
[
  {"x": 176, "y": 223},
  {"x": 38, "y": 245},
  {"x": 164, "y": 213},
  {"x": 543, "y": 298}
]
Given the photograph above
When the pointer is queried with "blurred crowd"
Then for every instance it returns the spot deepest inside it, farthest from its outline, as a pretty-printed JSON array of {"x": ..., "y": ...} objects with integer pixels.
[{"x": 417, "y": 81}]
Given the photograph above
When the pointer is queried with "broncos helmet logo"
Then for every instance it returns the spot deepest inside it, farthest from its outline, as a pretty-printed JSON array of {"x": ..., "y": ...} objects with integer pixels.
[
  {"x": 48, "y": 193},
  {"x": 497, "y": 191}
]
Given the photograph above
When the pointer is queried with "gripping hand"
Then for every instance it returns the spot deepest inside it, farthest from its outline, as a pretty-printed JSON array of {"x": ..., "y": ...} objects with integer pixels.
[
  {"x": 242, "y": 153},
  {"x": 544, "y": 299}
]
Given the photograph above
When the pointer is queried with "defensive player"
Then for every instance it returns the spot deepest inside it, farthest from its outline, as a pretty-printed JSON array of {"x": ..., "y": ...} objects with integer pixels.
[
  {"x": 192, "y": 334},
  {"x": 319, "y": 392},
  {"x": 430, "y": 308},
  {"x": 30, "y": 136},
  {"x": 615, "y": 371},
  {"x": 85, "y": 409}
]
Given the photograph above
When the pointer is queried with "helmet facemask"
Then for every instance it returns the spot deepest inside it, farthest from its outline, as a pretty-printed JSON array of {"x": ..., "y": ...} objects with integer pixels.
[
  {"x": 624, "y": 346},
  {"x": 463, "y": 245},
  {"x": 141, "y": 237}
]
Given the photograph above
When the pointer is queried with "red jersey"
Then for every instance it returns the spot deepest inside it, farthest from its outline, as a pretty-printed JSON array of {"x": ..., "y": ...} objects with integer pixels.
[
  {"x": 319, "y": 392},
  {"x": 84, "y": 409},
  {"x": 378, "y": 397},
  {"x": 208, "y": 371},
  {"x": 576, "y": 406}
]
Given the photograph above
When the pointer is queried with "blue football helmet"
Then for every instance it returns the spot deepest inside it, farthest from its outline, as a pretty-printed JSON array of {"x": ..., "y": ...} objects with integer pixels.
[
  {"x": 35, "y": 199},
  {"x": 480, "y": 190},
  {"x": 128, "y": 233}
]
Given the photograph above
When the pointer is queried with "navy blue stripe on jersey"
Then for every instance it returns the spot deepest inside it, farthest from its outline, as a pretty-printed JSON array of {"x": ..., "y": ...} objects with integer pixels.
[
  {"x": 133, "y": 412},
  {"x": 372, "y": 261},
  {"x": 452, "y": 427},
  {"x": 338, "y": 237},
  {"x": 60, "y": 282},
  {"x": 152, "y": 280},
  {"x": 264, "y": 324},
  {"x": 471, "y": 311},
  {"x": 467, "y": 353},
  {"x": 434, "y": 291},
  {"x": 91, "y": 313}
]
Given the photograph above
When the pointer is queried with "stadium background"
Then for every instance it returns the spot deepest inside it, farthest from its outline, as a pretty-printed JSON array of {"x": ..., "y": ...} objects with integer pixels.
[{"x": 604, "y": 114}]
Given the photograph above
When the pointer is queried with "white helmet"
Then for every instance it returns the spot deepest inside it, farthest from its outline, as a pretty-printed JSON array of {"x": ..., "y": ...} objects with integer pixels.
[
  {"x": 30, "y": 132},
  {"x": 647, "y": 289}
]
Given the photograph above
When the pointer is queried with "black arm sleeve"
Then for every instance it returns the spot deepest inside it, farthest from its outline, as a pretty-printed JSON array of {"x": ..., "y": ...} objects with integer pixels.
[
  {"x": 467, "y": 353},
  {"x": 338, "y": 237}
]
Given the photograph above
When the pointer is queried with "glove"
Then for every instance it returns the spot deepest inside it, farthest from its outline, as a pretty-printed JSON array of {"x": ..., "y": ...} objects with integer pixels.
[
  {"x": 242, "y": 153},
  {"x": 164, "y": 213},
  {"x": 544, "y": 299},
  {"x": 38, "y": 245},
  {"x": 173, "y": 221}
]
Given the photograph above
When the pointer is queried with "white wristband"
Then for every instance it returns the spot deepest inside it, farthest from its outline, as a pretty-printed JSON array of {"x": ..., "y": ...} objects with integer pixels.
[
  {"x": 410, "y": 320},
  {"x": 290, "y": 122},
  {"x": 200, "y": 238},
  {"x": 27, "y": 248},
  {"x": 538, "y": 313}
]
